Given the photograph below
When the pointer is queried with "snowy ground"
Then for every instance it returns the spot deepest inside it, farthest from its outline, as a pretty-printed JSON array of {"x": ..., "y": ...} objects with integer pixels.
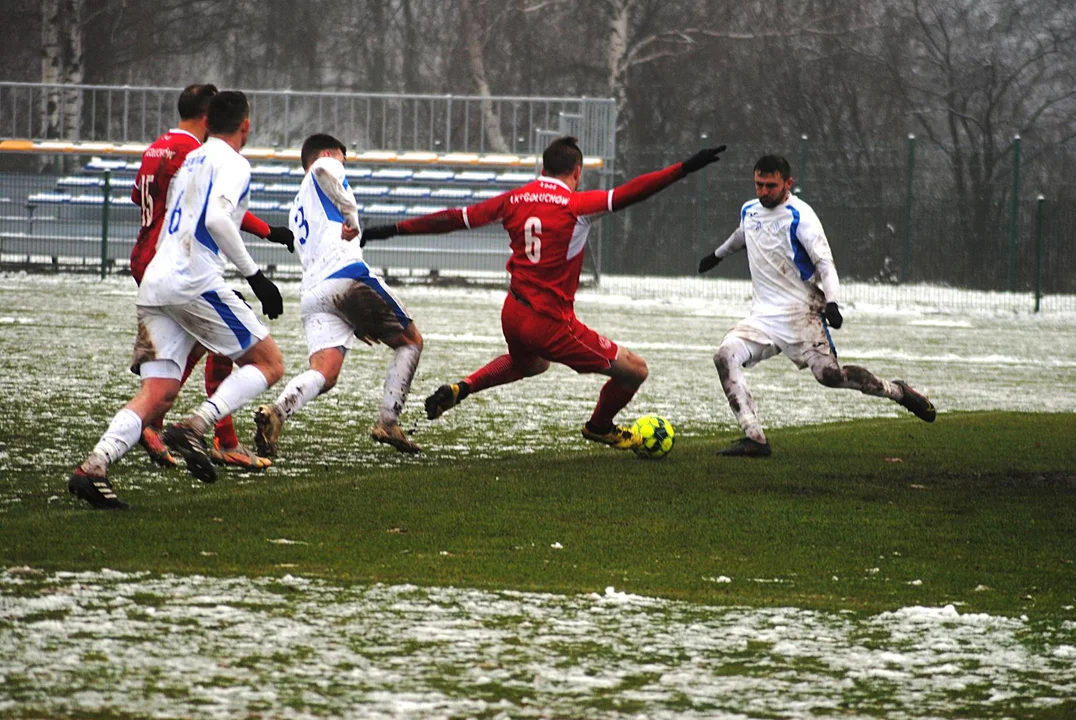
[
  {"x": 189, "y": 646},
  {"x": 65, "y": 342},
  {"x": 82, "y": 643}
]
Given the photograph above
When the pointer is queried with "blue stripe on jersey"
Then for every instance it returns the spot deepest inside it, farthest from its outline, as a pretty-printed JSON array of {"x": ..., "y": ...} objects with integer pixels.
[
  {"x": 331, "y": 211},
  {"x": 743, "y": 212},
  {"x": 201, "y": 232},
  {"x": 361, "y": 271},
  {"x": 799, "y": 253},
  {"x": 234, "y": 324},
  {"x": 347, "y": 186},
  {"x": 246, "y": 191}
]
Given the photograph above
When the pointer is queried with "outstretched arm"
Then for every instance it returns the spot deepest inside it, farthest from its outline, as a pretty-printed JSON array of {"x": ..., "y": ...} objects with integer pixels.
[
  {"x": 444, "y": 221},
  {"x": 734, "y": 244},
  {"x": 278, "y": 234},
  {"x": 640, "y": 188}
]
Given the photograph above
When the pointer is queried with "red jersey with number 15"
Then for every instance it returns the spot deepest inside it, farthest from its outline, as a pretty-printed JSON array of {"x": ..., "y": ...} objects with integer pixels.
[
  {"x": 547, "y": 226},
  {"x": 160, "y": 162}
]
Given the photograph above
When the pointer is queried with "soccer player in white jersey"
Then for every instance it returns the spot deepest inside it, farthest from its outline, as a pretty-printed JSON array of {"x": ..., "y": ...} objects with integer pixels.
[
  {"x": 184, "y": 306},
  {"x": 341, "y": 299},
  {"x": 795, "y": 295}
]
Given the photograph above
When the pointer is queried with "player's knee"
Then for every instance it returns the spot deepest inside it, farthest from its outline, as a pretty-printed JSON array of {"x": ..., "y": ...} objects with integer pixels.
[
  {"x": 642, "y": 370},
  {"x": 723, "y": 360},
  {"x": 830, "y": 376}
]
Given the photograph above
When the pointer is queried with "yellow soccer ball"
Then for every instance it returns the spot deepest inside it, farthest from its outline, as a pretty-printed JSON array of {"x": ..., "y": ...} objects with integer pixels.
[{"x": 657, "y": 434}]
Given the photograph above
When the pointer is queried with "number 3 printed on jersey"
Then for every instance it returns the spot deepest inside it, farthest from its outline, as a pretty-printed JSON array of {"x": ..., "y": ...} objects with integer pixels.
[
  {"x": 302, "y": 224},
  {"x": 532, "y": 243}
]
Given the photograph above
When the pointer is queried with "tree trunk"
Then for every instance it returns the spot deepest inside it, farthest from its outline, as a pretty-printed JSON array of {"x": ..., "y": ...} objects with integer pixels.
[
  {"x": 73, "y": 68},
  {"x": 616, "y": 56},
  {"x": 52, "y": 63},
  {"x": 473, "y": 42}
]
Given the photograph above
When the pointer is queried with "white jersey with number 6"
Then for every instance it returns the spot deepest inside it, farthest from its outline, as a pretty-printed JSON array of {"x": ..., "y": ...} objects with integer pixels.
[
  {"x": 317, "y": 216},
  {"x": 188, "y": 261}
]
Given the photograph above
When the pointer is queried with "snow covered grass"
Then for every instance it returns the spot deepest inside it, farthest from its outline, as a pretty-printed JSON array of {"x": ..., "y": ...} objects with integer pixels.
[
  {"x": 879, "y": 568},
  {"x": 139, "y": 644}
]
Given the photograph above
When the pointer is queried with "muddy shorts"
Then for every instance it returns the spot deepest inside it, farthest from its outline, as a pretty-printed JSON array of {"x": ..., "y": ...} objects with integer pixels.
[
  {"x": 352, "y": 302},
  {"x": 797, "y": 335},
  {"x": 218, "y": 319}
]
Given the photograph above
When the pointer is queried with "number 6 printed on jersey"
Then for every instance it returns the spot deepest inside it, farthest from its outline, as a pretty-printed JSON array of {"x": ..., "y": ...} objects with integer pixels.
[{"x": 532, "y": 228}]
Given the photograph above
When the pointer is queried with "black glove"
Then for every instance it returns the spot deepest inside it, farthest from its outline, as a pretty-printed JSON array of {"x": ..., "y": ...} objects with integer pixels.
[
  {"x": 377, "y": 232},
  {"x": 267, "y": 292},
  {"x": 281, "y": 236},
  {"x": 703, "y": 158},
  {"x": 708, "y": 263},
  {"x": 833, "y": 316}
]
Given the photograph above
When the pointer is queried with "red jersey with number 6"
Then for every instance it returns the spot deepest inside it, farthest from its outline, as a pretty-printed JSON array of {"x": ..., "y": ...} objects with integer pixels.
[
  {"x": 547, "y": 226},
  {"x": 160, "y": 162}
]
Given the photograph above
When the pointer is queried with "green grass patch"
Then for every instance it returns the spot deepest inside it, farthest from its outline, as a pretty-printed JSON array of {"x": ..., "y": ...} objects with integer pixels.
[{"x": 978, "y": 508}]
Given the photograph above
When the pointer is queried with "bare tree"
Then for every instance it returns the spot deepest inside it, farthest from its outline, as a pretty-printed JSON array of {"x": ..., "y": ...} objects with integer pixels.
[
  {"x": 978, "y": 73},
  {"x": 61, "y": 64}
]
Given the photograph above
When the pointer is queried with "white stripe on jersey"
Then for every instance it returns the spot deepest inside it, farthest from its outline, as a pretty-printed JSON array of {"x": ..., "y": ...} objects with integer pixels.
[{"x": 316, "y": 223}]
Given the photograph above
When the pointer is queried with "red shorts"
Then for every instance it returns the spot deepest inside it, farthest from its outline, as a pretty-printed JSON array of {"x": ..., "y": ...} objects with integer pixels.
[
  {"x": 569, "y": 342},
  {"x": 143, "y": 252}
]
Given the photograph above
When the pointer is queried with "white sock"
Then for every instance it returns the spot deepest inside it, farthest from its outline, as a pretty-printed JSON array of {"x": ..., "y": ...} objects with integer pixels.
[
  {"x": 302, "y": 389},
  {"x": 237, "y": 390},
  {"x": 398, "y": 382},
  {"x": 123, "y": 432}
]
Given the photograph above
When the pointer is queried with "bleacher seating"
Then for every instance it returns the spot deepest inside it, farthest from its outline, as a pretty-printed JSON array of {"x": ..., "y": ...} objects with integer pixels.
[{"x": 380, "y": 190}]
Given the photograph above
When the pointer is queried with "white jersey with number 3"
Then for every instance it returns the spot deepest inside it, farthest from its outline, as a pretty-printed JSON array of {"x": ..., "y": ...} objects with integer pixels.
[
  {"x": 316, "y": 221},
  {"x": 188, "y": 261}
]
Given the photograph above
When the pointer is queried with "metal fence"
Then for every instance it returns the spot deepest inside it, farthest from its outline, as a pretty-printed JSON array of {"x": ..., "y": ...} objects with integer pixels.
[
  {"x": 899, "y": 233},
  {"x": 283, "y": 118}
]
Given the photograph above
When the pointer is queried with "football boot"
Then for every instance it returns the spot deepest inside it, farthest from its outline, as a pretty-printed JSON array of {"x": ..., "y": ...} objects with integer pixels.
[
  {"x": 155, "y": 447},
  {"x": 392, "y": 434},
  {"x": 191, "y": 446},
  {"x": 95, "y": 489},
  {"x": 268, "y": 423},
  {"x": 746, "y": 447},
  {"x": 618, "y": 436},
  {"x": 916, "y": 402},
  {"x": 238, "y": 456}
]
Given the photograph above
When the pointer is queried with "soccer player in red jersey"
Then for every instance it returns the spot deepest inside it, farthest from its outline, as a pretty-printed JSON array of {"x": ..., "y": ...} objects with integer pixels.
[
  {"x": 160, "y": 162},
  {"x": 547, "y": 223}
]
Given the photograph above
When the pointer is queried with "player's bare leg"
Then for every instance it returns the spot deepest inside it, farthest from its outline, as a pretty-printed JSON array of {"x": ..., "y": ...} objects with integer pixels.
[
  {"x": 500, "y": 371},
  {"x": 152, "y": 440},
  {"x": 730, "y": 359},
  {"x": 90, "y": 481},
  {"x": 226, "y": 448},
  {"x": 321, "y": 377},
  {"x": 626, "y": 374},
  {"x": 830, "y": 373},
  {"x": 407, "y": 349},
  {"x": 260, "y": 367}
]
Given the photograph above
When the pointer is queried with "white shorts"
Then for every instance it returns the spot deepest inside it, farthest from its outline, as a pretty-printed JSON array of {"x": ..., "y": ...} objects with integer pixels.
[
  {"x": 218, "y": 319},
  {"x": 352, "y": 302},
  {"x": 799, "y": 336}
]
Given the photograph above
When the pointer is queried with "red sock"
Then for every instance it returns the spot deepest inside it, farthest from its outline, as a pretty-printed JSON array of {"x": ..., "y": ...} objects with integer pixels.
[
  {"x": 611, "y": 400},
  {"x": 218, "y": 367},
  {"x": 192, "y": 362},
  {"x": 497, "y": 372}
]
